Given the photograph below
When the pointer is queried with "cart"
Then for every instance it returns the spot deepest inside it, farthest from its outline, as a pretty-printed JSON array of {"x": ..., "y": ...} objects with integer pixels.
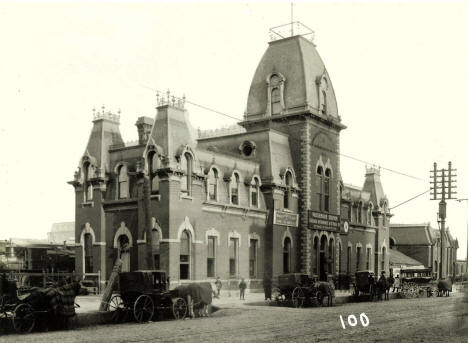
[{"x": 144, "y": 295}]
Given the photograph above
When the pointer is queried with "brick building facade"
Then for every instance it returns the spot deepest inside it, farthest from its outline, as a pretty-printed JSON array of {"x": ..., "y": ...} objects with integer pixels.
[
  {"x": 264, "y": 199},
  {"x": 422, "y": 242}
]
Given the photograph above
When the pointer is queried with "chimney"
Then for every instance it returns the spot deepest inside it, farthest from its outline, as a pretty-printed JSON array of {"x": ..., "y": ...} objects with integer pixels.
[{"x": 144, "y": 125}]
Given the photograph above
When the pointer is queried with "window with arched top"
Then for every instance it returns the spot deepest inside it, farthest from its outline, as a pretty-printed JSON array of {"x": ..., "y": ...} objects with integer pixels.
[
  {"x": 384, "y": 251},
  {"x": 88, "y": 253},
  {"x": 275, "y": 101},
  {"x": 369, "y": 214},
  {"x": 235, "y": 181},
  {"x": 122, "y": 180},
  {"x": 153, "y": 166},
  {"x": 185, "y": 252},
  {"x": 331, "y": 256},
  {"x": 326, "y": 190},
  {"x": 255, "y": 193},
  {"x": 212, "y": 183},
  {"x": 287, "y": 255},
  {"x": 359, "y": 213},
  {"x": 324, "y": 102},
  {"x": 287, "y": 192},
  {"x": 88, "y": 186},
  {"x": 186, "y": 163},
  {"x": 320, "y": 187},
  {"x": 155, "y": 239}
]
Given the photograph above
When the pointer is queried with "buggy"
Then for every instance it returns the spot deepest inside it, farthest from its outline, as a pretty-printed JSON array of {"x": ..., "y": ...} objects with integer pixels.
[
  {"x": 364, "y": 283},
  {"x": 300, "y": 289},
  {"x": 145, "y": 295}
]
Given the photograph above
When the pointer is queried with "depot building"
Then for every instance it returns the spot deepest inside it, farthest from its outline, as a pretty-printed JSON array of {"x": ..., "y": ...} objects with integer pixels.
[{"x": 261, "y": 199}]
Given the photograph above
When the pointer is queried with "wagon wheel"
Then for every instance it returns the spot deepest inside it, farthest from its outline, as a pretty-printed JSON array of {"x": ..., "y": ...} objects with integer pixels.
[
  {"x": 117, "y": 307},
  {"x": 179, "y": 308},
  {"x": 23, "y": 318},
  {"x": 298, "y": 297},
  {"x": 143, "y": 309}
]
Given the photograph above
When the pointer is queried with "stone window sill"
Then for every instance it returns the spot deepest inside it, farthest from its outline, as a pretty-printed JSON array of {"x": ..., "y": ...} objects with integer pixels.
[
  {"x": 155, "y": 196},
  {"x": 87, "y": 204},
  {"x": 185, "y": 196}
]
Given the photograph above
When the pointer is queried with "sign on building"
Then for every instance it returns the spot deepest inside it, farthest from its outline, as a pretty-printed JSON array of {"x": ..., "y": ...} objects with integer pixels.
[
  {"x": 323, "y": 221},
  {"x": 285, "y": 218}
]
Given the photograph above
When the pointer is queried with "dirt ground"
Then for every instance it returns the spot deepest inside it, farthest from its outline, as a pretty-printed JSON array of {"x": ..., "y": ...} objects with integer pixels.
[{"x": 414, "y": 320}]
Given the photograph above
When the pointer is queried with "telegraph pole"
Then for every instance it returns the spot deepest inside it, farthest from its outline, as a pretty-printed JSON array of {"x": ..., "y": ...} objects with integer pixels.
[{"x": 442, "y": 188}]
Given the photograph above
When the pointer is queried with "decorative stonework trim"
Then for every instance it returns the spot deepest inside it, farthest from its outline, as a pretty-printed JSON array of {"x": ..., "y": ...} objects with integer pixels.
[
  {"x": 256, "y": 237},
  {"x": 87, "y": 229},
  {"x": 350, "y": 244},
  {"x": 368, "y": 245},
  {"x": 169, "y": 240},
  {"x": 99, "y": 243},
  {"x": 213, "y": 233},
  {"x": 234, "y": 234},
  {"x": 384, "y": 244},
  {"x": 123, "y": 230},
  {"x": 187, "y": 226},
  {"x": 287, "y": 233},
  {"x": 141, "y": 241}
]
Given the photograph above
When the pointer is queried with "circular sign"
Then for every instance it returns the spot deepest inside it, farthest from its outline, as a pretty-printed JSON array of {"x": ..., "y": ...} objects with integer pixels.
[{"x": 345, "y": 227}]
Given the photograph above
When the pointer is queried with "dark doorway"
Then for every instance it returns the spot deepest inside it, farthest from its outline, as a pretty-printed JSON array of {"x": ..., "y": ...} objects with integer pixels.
[{"x": 323, "y": 267}]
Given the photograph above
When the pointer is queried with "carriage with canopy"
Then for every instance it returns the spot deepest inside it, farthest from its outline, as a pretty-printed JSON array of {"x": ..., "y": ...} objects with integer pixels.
[{"x": 144, "y": 294}]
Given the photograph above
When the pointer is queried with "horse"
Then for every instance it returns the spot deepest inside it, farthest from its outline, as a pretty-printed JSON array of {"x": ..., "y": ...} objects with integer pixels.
[
  {"x": 383, "y": 287},
  {"x": 198, "y": 296},
  {"x": 444, "y": 287},
  {"x": 325, "y": 289}
]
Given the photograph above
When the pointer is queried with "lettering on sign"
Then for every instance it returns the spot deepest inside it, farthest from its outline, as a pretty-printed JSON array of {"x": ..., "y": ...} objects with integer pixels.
[
  {"x": 323, "y": 221},
  {"x": 285, "y": 218}
]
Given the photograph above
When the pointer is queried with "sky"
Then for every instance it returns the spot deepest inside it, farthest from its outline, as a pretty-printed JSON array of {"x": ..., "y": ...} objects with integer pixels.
[{"x": 399, "y": 71}]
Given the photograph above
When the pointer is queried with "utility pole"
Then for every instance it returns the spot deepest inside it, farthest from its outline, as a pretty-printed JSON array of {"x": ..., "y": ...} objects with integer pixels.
[{"x": 442, "y": 188}]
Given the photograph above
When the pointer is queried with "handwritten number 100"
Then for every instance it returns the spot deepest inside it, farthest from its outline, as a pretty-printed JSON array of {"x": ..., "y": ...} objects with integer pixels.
[{"x": 352, "y": 320}]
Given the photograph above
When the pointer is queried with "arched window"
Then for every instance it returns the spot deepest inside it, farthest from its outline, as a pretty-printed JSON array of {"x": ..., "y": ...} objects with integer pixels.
[
  {"x": 384, "y": 250},
  {"x": 324, "y": 102},
  {"x": 88, "y": 187},
  {"x": 88, "y": 253},
  {"x": 124, "y": 253},
  {"x": 348, "y": 260},
  {"x": 235, "y": 189},
  {"x": 320, "y": 187},
  {"x": 255, "y": 193},
  {"x": 339, "y": 258},
  {"x": 122, "y": 182},
  {"x": 186, "y": 180},
  {"x": 369, "y": 214},
  {"x": 287, "y": 255},
  {"x": 326, "y": 190},
  {"x": 368, "y": 258},
  {"x": 155, "y": 239},
  {"x": 331, "y": 256},
  {"x": 287, "y": 191},
  {"x": 315, "y": 258},
  {"x": 185, "y": 252},
  {"x": 358, "y": 258},
  {"x": 275, "y": 101},
  {"x": 213, "y": 184},
  {"x": 359, "y": 213},
  {"x": 153, "y": 166}
]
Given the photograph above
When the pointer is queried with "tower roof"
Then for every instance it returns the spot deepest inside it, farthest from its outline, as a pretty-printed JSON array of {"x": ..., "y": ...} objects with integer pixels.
[{"x": 305, "y": 77}]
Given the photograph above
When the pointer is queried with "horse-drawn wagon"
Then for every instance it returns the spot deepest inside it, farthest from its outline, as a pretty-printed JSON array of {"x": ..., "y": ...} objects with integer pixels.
[
  {"x": 144, "y": 295},
  {"x": 417, "y": 283},
  {"x": 364, "y": 283},
  {"x": 44, "y": 306},
  {"x": 300, "y": 290}
]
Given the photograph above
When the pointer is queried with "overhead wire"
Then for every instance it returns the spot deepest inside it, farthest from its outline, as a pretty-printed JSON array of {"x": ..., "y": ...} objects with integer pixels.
[{"x": 338, "y": 153}]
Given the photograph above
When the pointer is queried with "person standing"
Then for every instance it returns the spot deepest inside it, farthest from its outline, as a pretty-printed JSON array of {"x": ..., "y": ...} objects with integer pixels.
[
  {"x": 218, "y": 285},
  {"x": 242, "y": 287},
  {"x": 267, "y": 287},
  {"x": 396, "y": 284}
]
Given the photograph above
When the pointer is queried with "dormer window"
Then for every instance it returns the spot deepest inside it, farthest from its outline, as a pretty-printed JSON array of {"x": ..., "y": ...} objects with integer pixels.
[
  {"x": 324, "y": 102},
  {"x": 213, "y": 184},
  {"x": 275, "y": 94},
  {"x": 186, "y": 162},
  {"x": 88, "y": 187},
  {"x": 235, "y": 189},
  {"x": 287, "y": 191},
  {"x": 122, "y": 181},
  {"x": 153, "y": 166},
  {"x": 255, "y": 193},
  {"x": 322, "y": 93}
]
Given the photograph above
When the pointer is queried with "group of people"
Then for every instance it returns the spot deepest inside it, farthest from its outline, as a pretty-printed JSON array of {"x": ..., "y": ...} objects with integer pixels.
[{"x": 242, "y": 288}]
